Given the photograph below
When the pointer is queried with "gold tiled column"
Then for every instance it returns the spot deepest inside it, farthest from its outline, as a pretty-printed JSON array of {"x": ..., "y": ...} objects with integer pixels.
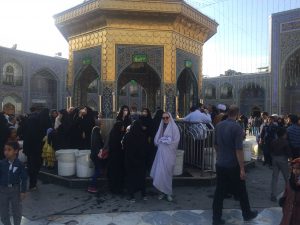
[
  {"x": 108, "y": 78},
  {"x": 200, "y": 75},
  {"x": 169, "y": 99}
]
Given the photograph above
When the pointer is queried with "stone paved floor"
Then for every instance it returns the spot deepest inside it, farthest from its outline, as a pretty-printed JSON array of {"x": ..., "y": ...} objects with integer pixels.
[
  {"x": 51, "y": 199},
  {"x": 53, "y": 204},
  {"x": 269, "y": 216}
]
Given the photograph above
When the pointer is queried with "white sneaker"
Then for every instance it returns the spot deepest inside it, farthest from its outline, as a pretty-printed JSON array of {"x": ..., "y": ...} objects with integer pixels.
[{"x": 169, "y": 198}]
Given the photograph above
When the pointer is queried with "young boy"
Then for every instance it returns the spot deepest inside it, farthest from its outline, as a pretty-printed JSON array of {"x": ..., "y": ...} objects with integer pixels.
[{"x": 13, "y": 182}]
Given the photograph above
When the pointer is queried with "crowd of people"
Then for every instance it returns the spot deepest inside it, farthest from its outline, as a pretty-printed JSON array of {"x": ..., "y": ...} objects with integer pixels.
[
  {"x": 278, "y": 139},
  {"x": 137, "y": 146},
  {"x": 140, "y": 145}
]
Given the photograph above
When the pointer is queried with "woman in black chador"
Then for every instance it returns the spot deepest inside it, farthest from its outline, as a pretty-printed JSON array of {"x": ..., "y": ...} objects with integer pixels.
[
  {"x": 4, "y": 133},
  {"x": 157, "y": 119},
  {"x": 115, "y": 170},
  {"x": 84, "y": 124},
  {"x": 156, "y": 122},
  {"x": 124, "y": 116},
  {"x": 148, "y": 129},
  {"x": 135, "y": 160},
  {"x": 60, "y": 138}
]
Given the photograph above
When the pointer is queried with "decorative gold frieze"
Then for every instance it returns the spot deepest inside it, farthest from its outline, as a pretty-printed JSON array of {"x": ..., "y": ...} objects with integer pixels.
[{"x": 164, "y": 7}]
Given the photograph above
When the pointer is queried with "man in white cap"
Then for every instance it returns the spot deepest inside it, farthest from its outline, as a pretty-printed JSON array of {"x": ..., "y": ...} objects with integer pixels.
[
  {"x": 222, "y": 107},
  {"x": 222, "y": 115}
]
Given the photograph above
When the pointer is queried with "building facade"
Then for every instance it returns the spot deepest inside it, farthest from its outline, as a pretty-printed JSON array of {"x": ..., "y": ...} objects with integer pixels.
[
  {"x": 28, "y": 79},
  {"x": 285, "y": 61},
  {"x": 248, "y": 91},
  {"x": 146, "y": 53},
  {"x": 277, "y": 91}
]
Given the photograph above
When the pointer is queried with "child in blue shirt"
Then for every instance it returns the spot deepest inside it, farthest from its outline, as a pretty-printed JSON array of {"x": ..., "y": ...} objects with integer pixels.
[{"x": 13, "y": 184}]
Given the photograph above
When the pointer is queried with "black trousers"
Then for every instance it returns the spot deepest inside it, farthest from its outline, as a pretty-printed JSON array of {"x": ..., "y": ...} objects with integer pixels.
[
  {"x": 295, "y": 152},
  {"x": 267, "y": 155},
  {"x": 34, "y": 163},
  {"x": 228, "y": 181},
  {"x": 10, "y": 196}
]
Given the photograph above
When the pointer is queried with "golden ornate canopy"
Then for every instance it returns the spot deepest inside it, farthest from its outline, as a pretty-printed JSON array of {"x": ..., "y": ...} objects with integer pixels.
[{"x": 172, "y": 24}]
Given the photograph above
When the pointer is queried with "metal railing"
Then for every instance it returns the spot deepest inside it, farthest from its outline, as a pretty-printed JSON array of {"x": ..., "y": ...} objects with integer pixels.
[{"x": 197, "y": 141}]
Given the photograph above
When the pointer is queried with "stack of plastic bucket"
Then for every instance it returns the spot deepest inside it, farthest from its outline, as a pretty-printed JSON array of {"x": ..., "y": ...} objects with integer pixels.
[
  {"x": 74, "y": 162},
  {"x": 66, "y": 162},
  {"x": 84, "y": 165},
  {"x": 248, "y": 147}
]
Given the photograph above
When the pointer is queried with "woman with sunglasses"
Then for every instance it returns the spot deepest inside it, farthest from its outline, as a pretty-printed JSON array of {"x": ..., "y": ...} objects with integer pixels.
[{"x": 166, "y": 139}]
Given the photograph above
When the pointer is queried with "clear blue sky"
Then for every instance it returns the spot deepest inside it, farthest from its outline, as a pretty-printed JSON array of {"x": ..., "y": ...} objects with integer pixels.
[
  {"x": 242, "y": 41},
  {"x": 240, "y": 44}
]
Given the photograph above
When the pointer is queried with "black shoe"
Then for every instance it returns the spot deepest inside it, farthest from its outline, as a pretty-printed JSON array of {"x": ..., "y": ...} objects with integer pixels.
[
  {"x": 218, "y": 222},
  {"x": 273, "y": 198},
  {"x": 252, "y": 215},
  {"x": 33, "y": 189},
  {"x": 131, "y": 199},
  {"x": 227, "y": 196}
]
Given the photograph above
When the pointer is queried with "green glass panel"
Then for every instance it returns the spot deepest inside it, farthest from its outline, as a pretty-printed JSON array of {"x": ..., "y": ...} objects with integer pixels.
[
  {"x": 87, "y": 61},
  {"x": 140, "y": 58},
  {"x": 188, "y": 64}
]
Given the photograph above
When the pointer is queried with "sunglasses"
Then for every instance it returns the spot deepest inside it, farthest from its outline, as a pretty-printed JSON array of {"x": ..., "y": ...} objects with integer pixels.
[{"x": 165, "y": 118}]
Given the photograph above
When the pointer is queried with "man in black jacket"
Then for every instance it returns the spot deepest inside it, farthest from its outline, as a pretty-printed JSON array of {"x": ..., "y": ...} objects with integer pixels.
[
  {"x": 35, "y": 130},
  {"x": 4, "y": 133},
  {"x": 267, "y": 135}
]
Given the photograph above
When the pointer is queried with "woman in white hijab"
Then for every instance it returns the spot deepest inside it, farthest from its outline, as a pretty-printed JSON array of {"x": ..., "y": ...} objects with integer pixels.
[{"x": 166, "y": 139}]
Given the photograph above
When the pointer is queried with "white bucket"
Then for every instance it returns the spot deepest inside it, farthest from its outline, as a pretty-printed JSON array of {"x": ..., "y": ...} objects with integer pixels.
[
  {"x": 178, "y": 170},
  {"x": 21, "y": 144},
  {"x": 210, "y": 159},
  {"x": 22, "y": 157},
  {"x": 253, "y": 141},
  {"x": 84, "y": 165},
  {"x": 66, "y": 162},
  {"x": 247, "y": 146},
  {"x": 255, "y": 150}
]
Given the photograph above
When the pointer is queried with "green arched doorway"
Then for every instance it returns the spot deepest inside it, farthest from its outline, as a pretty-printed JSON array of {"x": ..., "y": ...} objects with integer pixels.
[{"x": 187, "y": 91}]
